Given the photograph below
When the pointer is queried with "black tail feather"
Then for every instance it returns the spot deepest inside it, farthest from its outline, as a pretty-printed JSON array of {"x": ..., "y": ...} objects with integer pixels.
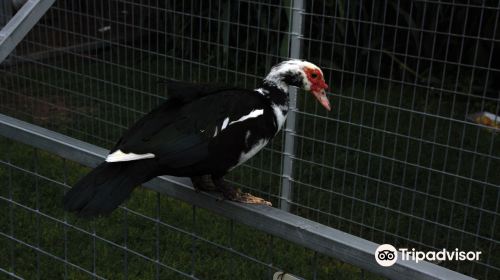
[{"x": 107, "y": 186}]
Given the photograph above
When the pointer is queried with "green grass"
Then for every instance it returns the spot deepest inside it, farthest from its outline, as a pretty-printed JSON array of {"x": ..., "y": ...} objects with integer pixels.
[
  {"x": 391, "y": 165},
  {"x": 176, "y": 249}
]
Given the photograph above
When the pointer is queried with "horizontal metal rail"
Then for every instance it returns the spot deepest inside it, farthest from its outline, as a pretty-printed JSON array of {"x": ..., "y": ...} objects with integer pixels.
[
  {"x": 20, "y": 24},
  {"x": 320, "y": 238}
]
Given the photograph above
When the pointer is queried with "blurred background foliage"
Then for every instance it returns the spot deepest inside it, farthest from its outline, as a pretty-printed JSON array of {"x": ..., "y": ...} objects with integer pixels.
[
  {"x": 395, "y": 161},
  {"x": 448, "y": 45},
  {"x": 452, "y": 46}
]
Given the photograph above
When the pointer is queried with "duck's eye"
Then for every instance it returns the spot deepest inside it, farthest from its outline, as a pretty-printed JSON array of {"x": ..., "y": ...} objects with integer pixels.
[{"x": 314, "y": 75}]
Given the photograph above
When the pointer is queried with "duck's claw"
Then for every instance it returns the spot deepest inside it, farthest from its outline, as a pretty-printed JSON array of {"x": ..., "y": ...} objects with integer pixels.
[{"x": 251, "y": 199}]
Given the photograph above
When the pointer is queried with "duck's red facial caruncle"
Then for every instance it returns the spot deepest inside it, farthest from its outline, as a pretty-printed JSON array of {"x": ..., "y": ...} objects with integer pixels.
[{"x": 318, "y": 85}]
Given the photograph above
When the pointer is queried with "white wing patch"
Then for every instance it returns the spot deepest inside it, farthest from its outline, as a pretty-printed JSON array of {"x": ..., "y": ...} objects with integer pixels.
[
  {"x": 262, "y": 91},
  {"x": 121, "y": 156},
  {"x": 224, "y": 124},
  {"x": 253, "y": 114}
]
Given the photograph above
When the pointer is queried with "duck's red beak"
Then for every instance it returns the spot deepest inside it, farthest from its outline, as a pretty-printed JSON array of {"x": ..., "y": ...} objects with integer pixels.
[{"x": 320, "y": 94}]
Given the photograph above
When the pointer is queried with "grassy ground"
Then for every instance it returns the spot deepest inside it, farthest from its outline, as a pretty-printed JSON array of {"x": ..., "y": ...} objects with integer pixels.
[
  {"x": 390, "y": 163},
  {"x": 175, "y": 249}
]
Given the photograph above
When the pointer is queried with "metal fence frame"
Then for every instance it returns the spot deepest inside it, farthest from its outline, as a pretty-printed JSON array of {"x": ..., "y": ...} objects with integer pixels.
[
  {"x": 304, "y": 232},
  {"x": 296, "y": 27},
  {"x": 320, "y": 238},
  {"x": 20, "y": 24}
]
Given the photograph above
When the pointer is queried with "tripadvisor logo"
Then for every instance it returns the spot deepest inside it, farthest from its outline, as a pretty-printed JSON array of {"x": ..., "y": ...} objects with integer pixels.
[{"x": 387, "y": 255}]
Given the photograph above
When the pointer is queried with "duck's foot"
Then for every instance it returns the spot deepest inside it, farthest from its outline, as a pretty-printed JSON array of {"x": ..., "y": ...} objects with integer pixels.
[
  {"x": 250, "y": 199},
  {"x": 237, "y": 195},
  {"x": 203, "y": 183}
]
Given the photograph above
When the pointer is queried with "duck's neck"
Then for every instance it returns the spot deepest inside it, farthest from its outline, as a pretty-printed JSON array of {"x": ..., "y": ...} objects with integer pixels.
[
  {"x": 277, "y": 95},
  {"x": 278, "y": 100}
]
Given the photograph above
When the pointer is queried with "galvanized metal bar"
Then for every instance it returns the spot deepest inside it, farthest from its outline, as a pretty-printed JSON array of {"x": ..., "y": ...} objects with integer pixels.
[
  {"x": 296, "y": 28},
  {"x": 20, "y": 24},
  {"x": 5, "y": 15},
  {"x": 304, "y": 232},
  {"x": 11, "y": 275}
]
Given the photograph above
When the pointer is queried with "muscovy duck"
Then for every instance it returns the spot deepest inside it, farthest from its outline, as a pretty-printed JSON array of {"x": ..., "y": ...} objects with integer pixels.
[{"x": 201, "y": 132}]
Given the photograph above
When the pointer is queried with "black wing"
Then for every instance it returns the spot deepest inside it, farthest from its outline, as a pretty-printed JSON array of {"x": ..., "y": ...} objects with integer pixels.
[
  {"x": 179, "y": 94},
  {"x": 179, "y": 132},
  {"x": 186, "y": 92}
]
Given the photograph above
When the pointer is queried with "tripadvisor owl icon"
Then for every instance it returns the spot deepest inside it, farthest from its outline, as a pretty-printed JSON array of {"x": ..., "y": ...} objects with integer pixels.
[{"x": 386, "y": 255}]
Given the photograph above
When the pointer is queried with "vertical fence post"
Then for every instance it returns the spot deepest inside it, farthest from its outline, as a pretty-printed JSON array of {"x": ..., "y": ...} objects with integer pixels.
[
  {"x": 20, "y": 24},
  {"x": 295, "y": 31},
  {"x": 5, "y": 14}
]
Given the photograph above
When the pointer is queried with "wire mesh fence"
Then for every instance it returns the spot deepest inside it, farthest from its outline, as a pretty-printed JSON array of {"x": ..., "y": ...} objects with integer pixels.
[
  {"x": 153, "y": 237},
  {"x": 396, "y": 161}
]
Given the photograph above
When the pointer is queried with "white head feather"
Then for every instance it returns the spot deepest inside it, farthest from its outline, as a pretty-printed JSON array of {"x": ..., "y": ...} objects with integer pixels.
[{"x": 278, "y": 72}]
